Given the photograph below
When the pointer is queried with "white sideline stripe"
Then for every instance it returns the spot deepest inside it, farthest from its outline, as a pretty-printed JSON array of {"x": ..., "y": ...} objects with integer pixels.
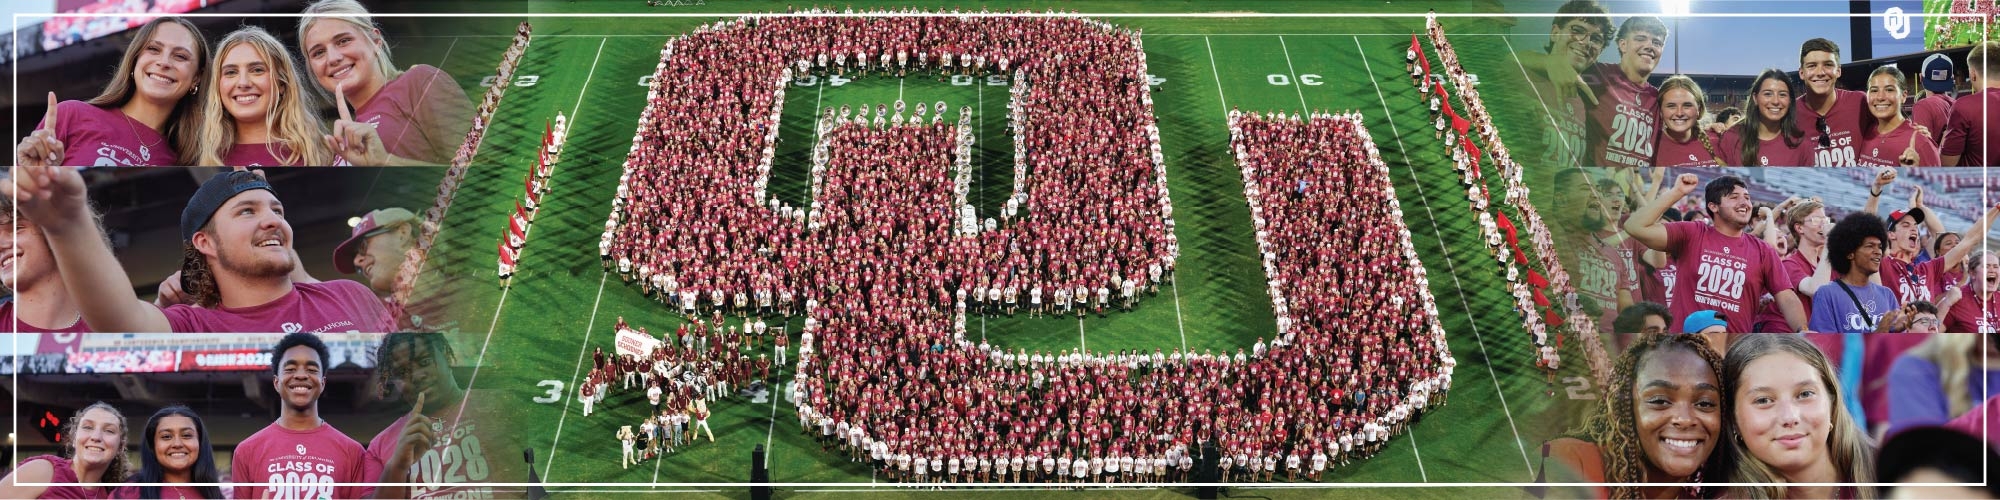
[
  {"x": 546, "y": 467},
  {"x": 1412, "y": 431},
  {"x": 1445, "y": 252}
]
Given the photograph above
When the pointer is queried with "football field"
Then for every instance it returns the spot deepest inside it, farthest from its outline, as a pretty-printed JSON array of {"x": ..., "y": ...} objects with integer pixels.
[{"x": 532, "y": 342}]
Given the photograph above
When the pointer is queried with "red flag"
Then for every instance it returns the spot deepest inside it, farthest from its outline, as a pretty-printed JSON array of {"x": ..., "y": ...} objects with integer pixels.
[
  {"x": 514, "y": 227},
  {"x": 1520, "y": 257},
  {"x": 1536, "y": 279},
  {"x": 1553, "y": 320},
  {"x": 1458, "y": 123},
  {"x": 548, "y": 133},
  {"x": 1443, "y": 95},
  {"x": 506, "y": 254},
  {"x": 1424, "y": 62},
  {"x": 1540, "y": 300},
  {"x": 1414, "y": 46},
  {"x": 521, "y": 213},
  {"x": 528, "y": 183}
]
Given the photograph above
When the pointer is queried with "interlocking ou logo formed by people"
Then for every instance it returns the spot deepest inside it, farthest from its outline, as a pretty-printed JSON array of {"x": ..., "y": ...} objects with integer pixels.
[{"x": 886, "y": 311}]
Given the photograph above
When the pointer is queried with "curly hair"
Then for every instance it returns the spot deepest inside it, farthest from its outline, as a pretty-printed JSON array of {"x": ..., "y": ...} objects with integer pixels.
[
  {"x": 1613, "y": 425},
  {"x": 197, "y": 280},
  {"x": 412, "y": 344},
  {"x": 119, "y": 467},
  {"x": 1848, "y": 235}
]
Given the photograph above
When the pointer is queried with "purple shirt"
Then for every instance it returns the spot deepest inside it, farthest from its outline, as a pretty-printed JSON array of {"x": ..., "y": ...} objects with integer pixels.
[
  {"x": 1621, "y": 126},
  {"x": 1916, "y": 392},
  {"x": 1771, "y": 153},
  {"x": 1967, "y": 134},
  {"x": 1692, "y": 153},
  {"x": 1884, "y": 150},
  {"x": 422, "y": 115},
  {"x": 99, "y": 137},
  {"x": 331, "y": 306},
  {"x": 302, "y": 464},
  {"x": 1721, "y": 273},
  {"x": 1833, "y": 311},
  {"x": 1843, "y": 127}
]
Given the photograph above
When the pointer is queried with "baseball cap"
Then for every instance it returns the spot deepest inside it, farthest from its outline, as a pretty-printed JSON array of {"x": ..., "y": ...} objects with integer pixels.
[
  {"x": 1914, "y": 213},
  {"x": 1936, "y": 74},
  {"x": 212, "y": 194},
  {"x": 1702, "y": 320},
  {"x": 372, "y": 224}
]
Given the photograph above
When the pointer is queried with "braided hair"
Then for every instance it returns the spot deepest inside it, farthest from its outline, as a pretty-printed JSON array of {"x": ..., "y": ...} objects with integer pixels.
[
  {"x": 1614, "y": 426},
  {"x": 1682, "y": 82}
]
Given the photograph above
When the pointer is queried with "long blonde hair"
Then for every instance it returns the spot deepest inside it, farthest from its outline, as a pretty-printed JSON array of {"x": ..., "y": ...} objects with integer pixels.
[
  {"x": 295, "y": 132},
  {"x": 1848, "y": 448},
  {"x": 350, "y": 12},
  {"x": 183, "y": 124}
]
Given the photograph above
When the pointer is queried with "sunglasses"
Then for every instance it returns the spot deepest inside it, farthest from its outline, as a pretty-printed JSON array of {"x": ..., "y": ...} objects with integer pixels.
[{"x": 1825, "y": 138}]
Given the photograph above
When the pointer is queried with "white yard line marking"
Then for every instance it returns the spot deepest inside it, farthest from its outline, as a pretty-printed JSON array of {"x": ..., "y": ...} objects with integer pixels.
[
  {"x": 1080, "y": 342},
  {"x": 1296, "y": 86},
  {"x": 1412, "y": 431},
  {"x": 1538, "y": 94},
  {"x": 573, "y": 374},
  {"x": 1177, "y": 311},
  {"x": 503, "y": 293},
  {"x": 1217, "y": 73},
  {"x": 1445, "y": 251}
]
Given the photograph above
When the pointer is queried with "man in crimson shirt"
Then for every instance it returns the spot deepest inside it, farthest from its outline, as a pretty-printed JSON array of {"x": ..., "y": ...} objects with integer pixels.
[
  {"x": 1721, "y": 267},
  {"x": 1831, "y": 116},
  {"x": 1968, "y": 134},
  {"x": 300, "y": 455},
  {"x": 443, "y": 434},
  {"x": 241, "y": 272},
  {"x": 28, "y": 269},
  {"x": 1929, "y": 280},
  {"x": 1621, "y": 126}
]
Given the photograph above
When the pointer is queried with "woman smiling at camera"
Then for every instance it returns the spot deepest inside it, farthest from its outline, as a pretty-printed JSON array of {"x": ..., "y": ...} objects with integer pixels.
[
  {"x": 1787, "y": 422},
  {"x": 1659, "y": 422}
]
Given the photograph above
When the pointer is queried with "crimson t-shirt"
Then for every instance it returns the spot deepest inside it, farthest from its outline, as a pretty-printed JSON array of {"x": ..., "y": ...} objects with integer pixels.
[
  {"x": 256, "y": 155},
  {"x": 99, "y": 137},
  {"x": 67, "y": 485},
  {"x": 1621, "y": 126},
  {"x": 1721, "y": 273},
  {"x": 1913, "y": 282},
  {"x": 302, "y": 464},
  {"x": 1884, "y": 150},
  {"x": 329, "y": 306},
  {"x": 1693, "y": 153},
  {"x": 1771, "y": 153},
  {"x": 1772, "y": 320},
  {"x": 1971, "y": 315},
  {"x": 421, "y": 115},
  {"x": 1843, "y": 127},
  {"x": 458, "y": 455},
  {"x": 50, "y": 343},
  {"x": 1932, "y": 112},
  {"x": 1601, "y": 273},
  {"x": 165, "y": 492},
  {"x": 1967, "y": 133}
]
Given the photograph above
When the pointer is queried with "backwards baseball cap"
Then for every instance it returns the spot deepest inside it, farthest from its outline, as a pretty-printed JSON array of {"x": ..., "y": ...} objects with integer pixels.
[
  {"x": 212, "y": 194},
  {"x": 1937, "y": 74},
  {"x": 1703, "y": 320},
  {"x": 376, "y": 222},
  {"x": 1916, "y": 214}
]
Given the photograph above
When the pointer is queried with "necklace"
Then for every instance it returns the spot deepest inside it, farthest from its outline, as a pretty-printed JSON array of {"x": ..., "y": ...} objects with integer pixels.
[{"x": 145, "y": 150}]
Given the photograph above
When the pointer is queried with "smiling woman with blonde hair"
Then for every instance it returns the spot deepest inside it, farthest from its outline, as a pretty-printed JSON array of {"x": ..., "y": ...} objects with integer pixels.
[{"x": 258, "y": 114}]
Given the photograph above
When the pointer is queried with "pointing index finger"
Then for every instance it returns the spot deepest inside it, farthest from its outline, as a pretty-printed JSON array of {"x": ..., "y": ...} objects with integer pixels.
[
  {"x": 49, "y": 118},
  {"x": 419, "y": 409},
  {"x": 340, "y": 101}
]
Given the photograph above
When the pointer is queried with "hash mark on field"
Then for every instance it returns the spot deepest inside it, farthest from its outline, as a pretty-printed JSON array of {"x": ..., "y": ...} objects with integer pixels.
[
  {"x": 1178, "y": 324},
  {"x": 1445, "y": 250},
  {"x": 577, "y": 371},
  {"x": 1080, "y": 342},
  {"x": 1303, "y": 108}
]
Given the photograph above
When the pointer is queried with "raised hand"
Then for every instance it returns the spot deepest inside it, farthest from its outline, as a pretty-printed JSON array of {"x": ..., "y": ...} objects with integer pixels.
[
  {"x": 41, "y": 148},
  {"x": 356, "y": 142}
]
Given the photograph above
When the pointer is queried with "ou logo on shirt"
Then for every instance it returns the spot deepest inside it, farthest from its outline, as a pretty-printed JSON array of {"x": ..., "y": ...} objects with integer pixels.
[
  {"x": 292, "y": 327},
  {"x": 301, "y": 448}
]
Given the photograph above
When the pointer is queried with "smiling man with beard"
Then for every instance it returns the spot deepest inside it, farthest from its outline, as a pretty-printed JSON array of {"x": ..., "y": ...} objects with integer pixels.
[
  {"x": 300, "y": 455},
  {"x": 1720, "y": 267},
  {"x": 1621, "y": 126},
  {"x": 237, "y": 263}
]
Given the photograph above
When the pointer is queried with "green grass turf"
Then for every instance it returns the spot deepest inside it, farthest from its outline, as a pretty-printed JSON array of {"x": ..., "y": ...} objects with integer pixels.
[{"x": 562, "y": 303}]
